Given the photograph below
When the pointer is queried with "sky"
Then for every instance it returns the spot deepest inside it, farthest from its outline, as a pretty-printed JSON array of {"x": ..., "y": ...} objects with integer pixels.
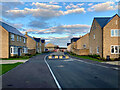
[{"x": 56, "y": 22}]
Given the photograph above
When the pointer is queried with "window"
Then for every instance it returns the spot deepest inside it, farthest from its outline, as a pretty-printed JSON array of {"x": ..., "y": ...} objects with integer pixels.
[
  {"x": 84, "y": 46},
  {"x": 12, "y": 37},
  {"x": 17, "y": 38},
  {"x": 11, "y": 51},
  {"x": 97, "y": 49},
  {"x": 25, "y": 50},
  {"x": 115, "y": 32},
  {"x": 24, "y": 40},
  {"x": 115, "y": 49},
  {"x": 94, "y": 36},
  {"x": 20, "y": 39}
]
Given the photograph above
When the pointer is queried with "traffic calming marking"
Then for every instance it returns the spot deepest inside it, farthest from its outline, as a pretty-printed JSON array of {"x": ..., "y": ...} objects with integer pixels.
[
  {"x": 66, "y": 57},
  {"x": 50, "y": 57},
  {"x": 56, "y": 57},
  {"x": 60, "y": 57}
]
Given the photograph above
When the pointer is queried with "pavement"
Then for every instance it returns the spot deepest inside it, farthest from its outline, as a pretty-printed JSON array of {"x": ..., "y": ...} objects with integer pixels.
[
  {"x": 11, "y": 61},
  {"x": 40, "y": 72},
  {"x": 112, "y": 62}
]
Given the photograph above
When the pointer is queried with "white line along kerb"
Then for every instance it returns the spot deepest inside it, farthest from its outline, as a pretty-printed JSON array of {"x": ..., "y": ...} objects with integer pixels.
[{"x": 58, "y": 85}]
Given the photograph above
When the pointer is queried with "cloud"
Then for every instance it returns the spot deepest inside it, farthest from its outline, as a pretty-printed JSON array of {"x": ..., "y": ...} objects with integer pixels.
[
  {"x": 90, "y": 4},
  {"x": 68, "y": 7},
  {"x": 103, "y": 7},
  {"x": 44, "y": 5},
  {"x": 77, "y": 10},
  {"x": 80, "y": 4},
  {"x": 38, "y": 24}
]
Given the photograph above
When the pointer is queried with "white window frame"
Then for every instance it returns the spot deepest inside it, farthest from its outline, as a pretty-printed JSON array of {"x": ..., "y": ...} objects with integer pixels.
[
  {"x": 17, "y": 38},
  {"x": 114, "y": 49},
  {"x": 14, "y": 50},
  {"x": 20, "y": 38},
  {"x": 98, "y": 49},
  {"x": 114, "y": 30},
  {"x": 24, "y": 40},
  {"x": 12, "y": 37},
  {"x": 94, "y": 36}
]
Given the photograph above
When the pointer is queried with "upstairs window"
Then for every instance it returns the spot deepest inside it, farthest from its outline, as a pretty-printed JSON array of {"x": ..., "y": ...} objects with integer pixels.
[
  {"x": 84, "y": 46},
  {"x": 94, "y": 36},
  {"x": 17, "y": 38},
  {"x": 115, "y": 32},
  {"x": 24, "y": 40},
  {"x": 20, "y": 39},
  {"x": 12, "y": 37}
]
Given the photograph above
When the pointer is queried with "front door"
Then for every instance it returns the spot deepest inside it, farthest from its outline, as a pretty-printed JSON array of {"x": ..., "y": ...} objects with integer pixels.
[{"x": 19, "y": 51}]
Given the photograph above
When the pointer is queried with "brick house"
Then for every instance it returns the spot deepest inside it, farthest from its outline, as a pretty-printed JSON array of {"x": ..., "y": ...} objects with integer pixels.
[
  {"x": 42, "y": 45},
  {"x": 105, "y": 37},
  {"x": 38, "y": 45},
  {"x": 69, "y": 47},
  {"x": 82, "y": 45},
  {"x": 13, "y": 43},
  {"x": 31, "y": 44},
  {"x": 51, "y": 47}
]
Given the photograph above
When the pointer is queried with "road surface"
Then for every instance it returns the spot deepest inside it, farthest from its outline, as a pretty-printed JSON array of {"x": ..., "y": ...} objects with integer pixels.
[{"x": 70, "y": 73}]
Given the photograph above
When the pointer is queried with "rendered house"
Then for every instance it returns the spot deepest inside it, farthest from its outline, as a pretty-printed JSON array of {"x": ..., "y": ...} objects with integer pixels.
[
  {"x": 82, "y": 45},
  {"x": 31, "y": 44},
  {"x": 13, "y": 43},
  {"x": 38, "y": 45},
  {"x": 105, "y": 37},
  {"x": 43, "y": 45}
]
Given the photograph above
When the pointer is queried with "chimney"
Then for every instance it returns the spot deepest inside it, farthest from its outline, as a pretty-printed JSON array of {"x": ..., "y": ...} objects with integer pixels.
[{"x": 25, "y": 33}]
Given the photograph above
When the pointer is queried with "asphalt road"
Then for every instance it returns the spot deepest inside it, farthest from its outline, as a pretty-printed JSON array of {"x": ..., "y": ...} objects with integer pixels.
[
  {"x": 74, "y": 73},
  {"x": 70, "y": 73},
  {"x": 32, "y": 74}
]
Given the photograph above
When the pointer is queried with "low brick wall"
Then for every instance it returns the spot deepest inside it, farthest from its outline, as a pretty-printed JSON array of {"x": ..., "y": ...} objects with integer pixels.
[
  {"x": 31, "y": 51},
  {"x": 81, "y": 51}
]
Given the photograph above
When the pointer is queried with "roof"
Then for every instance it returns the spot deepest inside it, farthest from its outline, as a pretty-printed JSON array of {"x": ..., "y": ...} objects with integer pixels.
[
  {"x": 68, "y": 44},
  {"x": 31, "y": 37},
  {"x": 37, "y": 39},
  {"x": 11, "y": 29},
  {"x": 104, "y": 20},
  {"x": 74, "y": 39},
  {"x": 43, "y": 40}
]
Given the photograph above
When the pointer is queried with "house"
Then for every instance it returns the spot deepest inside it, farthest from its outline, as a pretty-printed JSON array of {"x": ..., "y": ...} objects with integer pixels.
[
  {"x": 82, "y": 45},
  {"x": 51, "y": 47},
  {"x": 38, "y": 45},
  {"x": 69, "y": 47},
  {"x": 104, "y": 37},
  {"x": 31, "y": 44},
  {"x": 13, "y": 43},
  {"x": 73, "y": 44},
  {"x": 43, "y": 45}
]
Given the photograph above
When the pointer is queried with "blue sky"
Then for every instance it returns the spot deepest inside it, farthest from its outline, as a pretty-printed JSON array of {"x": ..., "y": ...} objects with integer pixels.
[{"x": 56, "y": 22}]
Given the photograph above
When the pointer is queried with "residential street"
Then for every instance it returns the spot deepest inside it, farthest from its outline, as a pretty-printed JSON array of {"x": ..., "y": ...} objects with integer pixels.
[{"x": 70, "y": 73}]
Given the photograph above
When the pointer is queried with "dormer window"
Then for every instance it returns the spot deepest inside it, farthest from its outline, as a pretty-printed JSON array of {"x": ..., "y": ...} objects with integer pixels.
[{"x": 12, "y": 37}]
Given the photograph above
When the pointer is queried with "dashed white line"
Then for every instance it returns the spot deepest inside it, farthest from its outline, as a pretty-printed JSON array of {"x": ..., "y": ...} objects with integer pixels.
[{"x": 57, "y": 83}]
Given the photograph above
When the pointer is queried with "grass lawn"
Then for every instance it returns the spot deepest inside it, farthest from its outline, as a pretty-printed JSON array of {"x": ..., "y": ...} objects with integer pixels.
[
  {"x": 86, "y": 57},
  {"x": 6, "y": 67}
]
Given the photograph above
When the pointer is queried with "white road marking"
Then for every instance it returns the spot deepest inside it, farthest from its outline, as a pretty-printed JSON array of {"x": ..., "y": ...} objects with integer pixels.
[
  {"x": 58, "y": 85},
  {"x": 96, "y": 64}
]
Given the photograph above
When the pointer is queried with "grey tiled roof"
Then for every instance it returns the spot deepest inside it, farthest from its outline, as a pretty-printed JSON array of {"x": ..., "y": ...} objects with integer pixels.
[
  {"x": 11, "y": 29},
  {"x": 104, "y": 20}
]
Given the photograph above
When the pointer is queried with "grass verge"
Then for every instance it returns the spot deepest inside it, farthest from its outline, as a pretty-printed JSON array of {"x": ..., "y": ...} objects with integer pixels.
[
  {"x": 7, "y": 67},
  {"x": 85, "y": 57}
]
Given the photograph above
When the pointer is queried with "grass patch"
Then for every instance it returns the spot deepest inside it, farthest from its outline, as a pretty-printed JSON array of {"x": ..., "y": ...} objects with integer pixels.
[
  {"x": 86, "y": 57},
  {"x": 7, "y": 67}
]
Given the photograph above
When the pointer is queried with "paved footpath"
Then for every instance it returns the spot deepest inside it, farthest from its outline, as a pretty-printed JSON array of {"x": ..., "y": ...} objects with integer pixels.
[
  {"x": 11, "y": 61},
  {"x": 32, "y": 74}
]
